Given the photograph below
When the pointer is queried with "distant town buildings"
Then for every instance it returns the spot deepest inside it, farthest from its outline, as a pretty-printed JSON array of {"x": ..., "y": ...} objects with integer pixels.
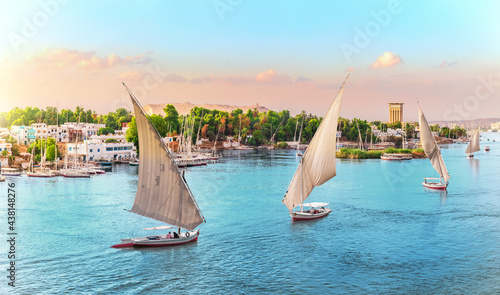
[
  {"x": 96, "y": 148},
  {"x": 395, "y": 112},
  {"x": 495, "y": 126},
  {"x": 5, "y": 146},
  {"x": 23, "y": 134},
  {"x": 68, "y": 132}
]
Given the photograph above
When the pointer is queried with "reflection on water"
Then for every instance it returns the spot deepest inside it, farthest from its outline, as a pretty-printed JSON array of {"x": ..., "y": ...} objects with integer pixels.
[{"x": 474, "y": 165}]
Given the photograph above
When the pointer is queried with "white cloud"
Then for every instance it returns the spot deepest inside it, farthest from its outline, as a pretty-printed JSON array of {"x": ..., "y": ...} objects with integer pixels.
[{"x": 388, "y": 59}]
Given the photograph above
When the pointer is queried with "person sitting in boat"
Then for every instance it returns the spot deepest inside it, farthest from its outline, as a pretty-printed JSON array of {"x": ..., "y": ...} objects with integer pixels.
[
  {"x": 169, "y": 236},
  {"x": 176, "y": 236}
]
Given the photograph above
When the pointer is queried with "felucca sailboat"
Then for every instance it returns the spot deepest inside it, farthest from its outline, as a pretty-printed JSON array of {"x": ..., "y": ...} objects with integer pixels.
[
  {"x": 473, "y": 144},
  {"x": 433, "y": 152},
  {"x": 316, "y": 167},
  {"x": 162, "y": 191}
]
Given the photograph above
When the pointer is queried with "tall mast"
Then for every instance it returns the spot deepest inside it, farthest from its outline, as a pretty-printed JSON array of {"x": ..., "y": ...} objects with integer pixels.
[
  {"x": 199, "y": 128},
  {"x": 300, "y": 135},
  {"x": 295, "y": 133},
  {"x": 57, "y": 133},
  {"x": 301, "y": 184},
  {"x": 360, "y": 139},
  {"x": 239, "y": 133}
]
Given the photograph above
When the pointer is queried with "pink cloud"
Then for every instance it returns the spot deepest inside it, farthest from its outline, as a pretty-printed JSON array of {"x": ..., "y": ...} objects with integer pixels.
[
  {"x": 446, "y": 64},
  {"x": 269, "y": 77},
  {"x": 388, "y": 59},
  {"x": 131, "y": 75},
  {"x": 272, "y": 78},
  {"x": 87, "y": 60}
]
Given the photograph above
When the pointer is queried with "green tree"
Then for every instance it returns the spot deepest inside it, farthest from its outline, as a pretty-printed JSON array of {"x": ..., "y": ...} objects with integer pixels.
[
  {"x": 171, "y": 118},
  {"x": 159, "y": 124},
  {"x": 434, "y": 128},
  {"x": 257, "y": 137},
  {"x": 111, "y": 140},
  {"x": 132, "y": 135},
  {"x": 105, "y": 131}
]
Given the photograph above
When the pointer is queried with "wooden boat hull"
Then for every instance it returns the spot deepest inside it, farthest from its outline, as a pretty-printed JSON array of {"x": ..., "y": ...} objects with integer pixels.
[
  {"x": 396, "y": 158},
  {"x": 306, "y": 215},
  {"x": 162, "y": 241},
  {"x": 31, "y": 174},
  {"x": 244, "y": 148},
  {"x": 12, "y": 173},
  {"x": 75, "y": 176},
  {"x": 435, "y": 185}
]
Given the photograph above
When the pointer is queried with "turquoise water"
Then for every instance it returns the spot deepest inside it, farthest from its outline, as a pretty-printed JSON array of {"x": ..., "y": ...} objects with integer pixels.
[{"x": 386, "y": 234}]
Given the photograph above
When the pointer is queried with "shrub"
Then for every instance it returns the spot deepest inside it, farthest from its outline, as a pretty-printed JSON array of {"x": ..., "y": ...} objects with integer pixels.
[{"x": 282, "y": 145}]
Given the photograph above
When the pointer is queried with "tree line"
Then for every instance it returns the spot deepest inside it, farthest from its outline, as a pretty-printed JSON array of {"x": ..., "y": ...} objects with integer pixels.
[{"x": 51, "y": 116}]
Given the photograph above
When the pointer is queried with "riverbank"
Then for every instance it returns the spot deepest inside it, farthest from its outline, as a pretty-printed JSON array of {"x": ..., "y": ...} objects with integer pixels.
[{"x": 350, "y": 153}]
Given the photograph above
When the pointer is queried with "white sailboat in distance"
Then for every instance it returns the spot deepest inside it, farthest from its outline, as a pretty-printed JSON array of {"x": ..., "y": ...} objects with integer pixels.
[
  {"x": 162, "y": 191},
  {"x": 473, "y": 144},
  {"x": 432, "y": 151},
  {"x": 316, "y": 167}
]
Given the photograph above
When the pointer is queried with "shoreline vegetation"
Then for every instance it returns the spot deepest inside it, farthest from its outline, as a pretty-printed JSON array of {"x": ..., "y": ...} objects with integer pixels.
[{"x": 350, "y": 153}]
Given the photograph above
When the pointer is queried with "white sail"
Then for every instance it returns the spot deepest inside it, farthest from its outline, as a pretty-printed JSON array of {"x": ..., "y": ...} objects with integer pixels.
[
  {"x": 430, "y": 147},
  {"x": 318, "y": 162},
  {"x": 162, "y": 192},
  {"x": 474, "y": 143}
]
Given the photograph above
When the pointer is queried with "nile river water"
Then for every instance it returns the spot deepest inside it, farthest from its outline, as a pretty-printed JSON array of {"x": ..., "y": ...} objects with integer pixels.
[{"x": 386, "y": 234}]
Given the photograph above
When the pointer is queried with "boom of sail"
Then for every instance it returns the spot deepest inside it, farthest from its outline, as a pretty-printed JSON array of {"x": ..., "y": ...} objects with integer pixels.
[
  {"x": 162, "y": 191},
  {"x": 318, "y": 162},
  {"x": 431, "y": 148},
  {"x": 474, "y": 143}
]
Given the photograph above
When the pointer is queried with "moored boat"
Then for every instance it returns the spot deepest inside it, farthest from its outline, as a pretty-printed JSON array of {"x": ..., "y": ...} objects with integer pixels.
[
  {"x": 74, "y": 173},
  {"x": 244, "y": 147},
  {"x": 11, "y": 172},
  {"x": 40, "y": 172},
  {"x": 396, "y": 157}
]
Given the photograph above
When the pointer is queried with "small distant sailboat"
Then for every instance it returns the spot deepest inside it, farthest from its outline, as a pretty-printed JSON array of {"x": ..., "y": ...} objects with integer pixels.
[
  {"x": 271, "y": 146},
  {"x": 316, "y": 167},
  {"x": 40, "y": 171},
  {"x": 473, "y": 144},
  {"x": 298, "y": 154},
  {"x": 162, "y": 191},
  {"x": 431, "y": 149},
  {"x": 242, "y": 147}
]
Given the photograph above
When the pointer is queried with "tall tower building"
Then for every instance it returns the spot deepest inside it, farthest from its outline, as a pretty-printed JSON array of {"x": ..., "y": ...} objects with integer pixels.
[{"x": 395, "y": 112}]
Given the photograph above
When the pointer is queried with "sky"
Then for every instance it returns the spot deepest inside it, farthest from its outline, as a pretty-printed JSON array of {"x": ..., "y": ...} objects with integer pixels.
[{"x": 290, "y": 55}]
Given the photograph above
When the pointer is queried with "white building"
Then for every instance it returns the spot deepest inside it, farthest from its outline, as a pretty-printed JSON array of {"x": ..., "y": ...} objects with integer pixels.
[
  {"x": 96, "y": 148},
  {"x": 4, "y": 132},
  {"x": 495, "y": 126},
  {"x": 5, "y": 146},
  {"x": 23, "y": 134},
  {"x": 41, "y": 130}
]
